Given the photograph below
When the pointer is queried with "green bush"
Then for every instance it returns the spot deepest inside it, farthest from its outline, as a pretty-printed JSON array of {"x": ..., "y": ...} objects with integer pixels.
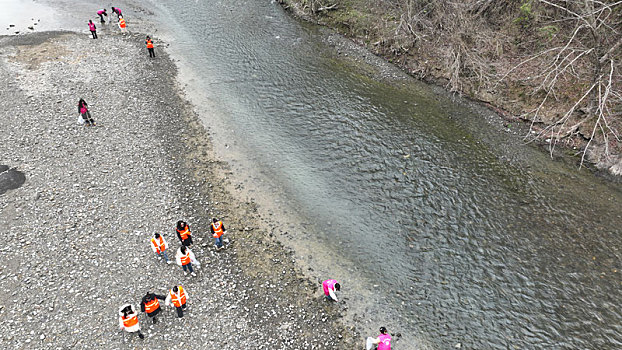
[
  {"x": 548, "y": 31},
  {"x": 525, "y": 15}
]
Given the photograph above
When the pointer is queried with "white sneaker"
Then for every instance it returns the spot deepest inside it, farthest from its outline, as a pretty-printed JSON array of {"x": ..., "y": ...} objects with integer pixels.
[
  {"x": 169, "y": 262},
  {"x": 194, "y": 274},
  {"x": 185, "y": 273}
]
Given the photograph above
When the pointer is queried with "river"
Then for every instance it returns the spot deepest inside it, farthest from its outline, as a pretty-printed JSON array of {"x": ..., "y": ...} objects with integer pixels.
[{"x": 438, "y": 224}]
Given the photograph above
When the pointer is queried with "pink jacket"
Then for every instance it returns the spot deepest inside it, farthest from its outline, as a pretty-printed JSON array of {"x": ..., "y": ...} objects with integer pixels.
[
  {"x": 328, "y": 284},
  {"x": 385, "y": 342}
]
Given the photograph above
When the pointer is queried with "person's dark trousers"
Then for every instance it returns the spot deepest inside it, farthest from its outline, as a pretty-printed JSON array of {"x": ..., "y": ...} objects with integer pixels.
[
  {"x": 88, "y": 120},
  {"x": 102, "y": 18},
  {"x": 151, "y": 52},
  {"x": 154, "y": 314},
  {"x": 187, "y": 267},
  {"x": 188, "y": 241},
  {"x": 180, "y": 310},
  {"x": 94, "y": 34}
]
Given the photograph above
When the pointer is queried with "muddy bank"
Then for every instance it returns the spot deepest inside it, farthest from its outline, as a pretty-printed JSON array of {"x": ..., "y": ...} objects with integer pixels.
[{"x": 76, "y": 232}]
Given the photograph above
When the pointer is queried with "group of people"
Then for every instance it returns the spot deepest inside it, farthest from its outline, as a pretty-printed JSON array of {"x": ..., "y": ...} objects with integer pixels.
[
  {"x": 177, "y": 296},
  {"x": 101, "y": 13},
  {"x": 150, "y": 304},
  {"x": 383, "y": 341},
  {"x": 184, "y": 257},
  {"x": 83, "y": 111}
]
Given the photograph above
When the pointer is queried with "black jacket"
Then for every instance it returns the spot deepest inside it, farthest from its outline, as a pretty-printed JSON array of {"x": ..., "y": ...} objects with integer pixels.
[{"x": 147, "y": 298}]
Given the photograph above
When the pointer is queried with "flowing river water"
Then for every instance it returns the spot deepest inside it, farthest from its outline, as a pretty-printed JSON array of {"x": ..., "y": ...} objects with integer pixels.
[{"x": 437, "y": 224}]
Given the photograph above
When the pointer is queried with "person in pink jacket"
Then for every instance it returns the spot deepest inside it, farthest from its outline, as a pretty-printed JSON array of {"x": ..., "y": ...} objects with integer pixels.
[
  {"x": 117, "y": 11},
  {"x": 101, "y": 13},
  {"x": 383, "y": 341},
  {"x": 329, "y": 287},
  {"x": 83, "y": 109},
  {"x": 93, "y": 29}
]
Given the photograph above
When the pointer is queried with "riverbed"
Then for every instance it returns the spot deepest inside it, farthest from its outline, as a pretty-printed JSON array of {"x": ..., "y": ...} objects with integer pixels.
[{"x": 438, "y": 220}]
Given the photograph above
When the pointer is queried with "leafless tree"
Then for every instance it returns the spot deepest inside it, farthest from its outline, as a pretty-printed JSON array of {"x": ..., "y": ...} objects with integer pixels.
[{"x": 586, "y": 57}]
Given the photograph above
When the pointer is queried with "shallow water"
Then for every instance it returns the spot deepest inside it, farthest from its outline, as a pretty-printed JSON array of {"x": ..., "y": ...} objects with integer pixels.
[
  {"x": 396, "y": 188},
  {"x": 437, "y": 226},
  {"x": 17, "y": 16}
]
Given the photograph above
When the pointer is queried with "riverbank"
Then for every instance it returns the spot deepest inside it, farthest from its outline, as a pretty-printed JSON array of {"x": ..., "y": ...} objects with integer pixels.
[
  {"x": 77, "y": 240},
  {"x": 475, "y": 49}
]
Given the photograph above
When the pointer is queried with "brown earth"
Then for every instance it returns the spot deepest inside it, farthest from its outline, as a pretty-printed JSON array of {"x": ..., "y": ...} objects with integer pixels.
[{"x": 478, "y": 53}]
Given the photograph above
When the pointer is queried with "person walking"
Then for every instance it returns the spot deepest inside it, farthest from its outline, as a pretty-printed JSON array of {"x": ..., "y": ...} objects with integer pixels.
[
  {"x": 185, "y": 258},
  {"x": 330, "y": 286},
  {"x": 218, "y": 229},
  {"x": 183, "y": 233},
  {"x": 150, "y": 305},
  {"x": 93, "y": 29},
  {"x": 178, "y": 297},
  {"x": 383, "y": 341},
  {"x": 149, "y": 44},
  {"x": 83, "y": 109},
  {"x": 159, "y": 246},
  {"x": 117, "y": 11},
  {"x": 101, "y": 13},
  {"x": 128, "y": 320}
]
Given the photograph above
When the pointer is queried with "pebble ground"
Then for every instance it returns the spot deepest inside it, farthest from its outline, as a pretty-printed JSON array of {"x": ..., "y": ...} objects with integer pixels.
[{"x": 75, "y": 235}]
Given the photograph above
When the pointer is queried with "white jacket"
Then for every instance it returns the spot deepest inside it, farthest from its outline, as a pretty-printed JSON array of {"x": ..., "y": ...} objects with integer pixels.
[
  {"x": 134, "y": 328},
  {"x": 193, "y": 260},
  {"x": 168, "y": 297},
  {"x": 163, "y": 240}
]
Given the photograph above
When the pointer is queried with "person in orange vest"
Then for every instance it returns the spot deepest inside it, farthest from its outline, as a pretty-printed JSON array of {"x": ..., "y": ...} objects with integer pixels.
[
  {"x": 159, "y": 246},
  {"x": 151, "y": 305},
  {"x": 185, "y": 258},
  {"x": 149, "y": 44},
  {"x": 178, "y": 297},
  {"x": 218, "y": 229},
  {"x": 183, "y": 233},
  {"x": 122, "y": 24},
  {"x": 128, "y": 320}
]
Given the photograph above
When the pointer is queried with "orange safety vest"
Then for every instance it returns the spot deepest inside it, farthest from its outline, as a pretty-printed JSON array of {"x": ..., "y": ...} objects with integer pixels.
[
  {"x": 159, "y": 246},
  {"x": 178, "y": 300},
  {"x": 186, "y": 231},
  {"x": 152, "y": 305},
  {"x": 149, "y": 44},
  {"x": 217, "y": 226},
  {"x": 122, "y": 23},
  {"x": 185, "y": 260},
  {"x": 129, "y": 321}
]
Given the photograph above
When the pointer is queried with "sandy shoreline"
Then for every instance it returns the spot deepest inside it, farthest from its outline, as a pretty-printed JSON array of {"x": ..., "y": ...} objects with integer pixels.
[{"x": 76, "y": 233}]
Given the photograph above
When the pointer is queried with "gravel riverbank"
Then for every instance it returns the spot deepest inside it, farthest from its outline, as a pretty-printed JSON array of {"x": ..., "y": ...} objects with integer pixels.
[{"x": 76, "y": 233}]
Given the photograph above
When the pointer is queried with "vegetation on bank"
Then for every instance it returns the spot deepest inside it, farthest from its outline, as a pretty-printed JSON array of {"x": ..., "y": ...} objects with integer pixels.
[{"x": 552, "y": 63}]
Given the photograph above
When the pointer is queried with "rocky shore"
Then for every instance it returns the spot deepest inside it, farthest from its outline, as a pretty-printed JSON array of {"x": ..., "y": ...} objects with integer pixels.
[{"x": 76, "y": 233}]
